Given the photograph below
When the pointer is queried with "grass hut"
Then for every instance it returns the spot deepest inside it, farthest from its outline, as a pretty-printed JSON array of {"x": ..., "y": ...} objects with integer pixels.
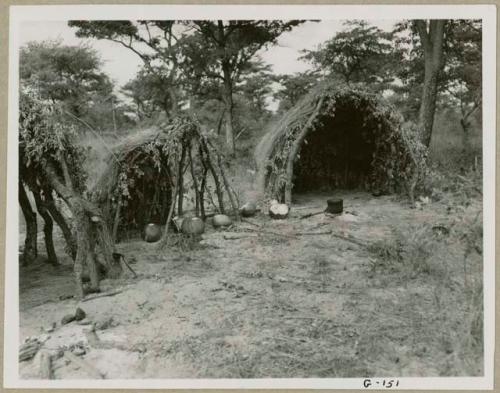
[
  {"x": 339, "y": 138},
  {"x": 149, "y": 174},
  {"x": 135, "y": 185}
]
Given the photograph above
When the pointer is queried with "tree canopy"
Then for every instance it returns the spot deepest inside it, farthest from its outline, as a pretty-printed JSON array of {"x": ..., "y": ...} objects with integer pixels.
[
  {"x": 72, "y": 76},
  {"x": 360, "y": 53},
  {"x": 189, "y": 56}
]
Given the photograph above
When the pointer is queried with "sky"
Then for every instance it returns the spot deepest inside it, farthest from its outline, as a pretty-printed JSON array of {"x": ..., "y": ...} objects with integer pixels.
[{"x": 122, "y": 65}]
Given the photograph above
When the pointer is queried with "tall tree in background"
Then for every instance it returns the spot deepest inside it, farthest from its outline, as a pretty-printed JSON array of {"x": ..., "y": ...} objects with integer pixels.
[
  {"x": 251, "y": 95},
  {"x": 463, "y": 71},
  {"x": 293, "y": 88},
  {"x": 226, "y": 50},
  {"x": 186, "y": 52},
  {"x": 148, "y": 93},
  {"x": 432, "y": 36},
  {"x": 156, "y": 44},
  {"x": 359, "y": 54},
  {"x": 71, "y": 76}
]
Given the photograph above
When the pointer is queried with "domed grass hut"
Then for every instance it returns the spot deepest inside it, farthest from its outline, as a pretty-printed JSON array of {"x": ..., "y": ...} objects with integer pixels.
[
  {"x": 151, "y": 173},
  {"x": 339, "y": 138}
]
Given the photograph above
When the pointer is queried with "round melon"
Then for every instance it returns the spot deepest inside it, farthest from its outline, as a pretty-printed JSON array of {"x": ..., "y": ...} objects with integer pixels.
[
  {"x": 152, "y": 233},
  {"x": 221, "y": 220},
  {"x": 248, "y": 209},
  {"x": 193, "y": 226}
]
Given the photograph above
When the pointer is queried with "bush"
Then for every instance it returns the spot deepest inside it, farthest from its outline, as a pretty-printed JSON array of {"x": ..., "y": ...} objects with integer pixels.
[
  {"x": 413, "y": 251},
  {"x": 457, "y": 188}
]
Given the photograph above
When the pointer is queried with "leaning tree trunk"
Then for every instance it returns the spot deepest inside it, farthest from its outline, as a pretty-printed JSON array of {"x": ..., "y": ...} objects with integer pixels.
[
  {"x": 432, "y": 43},
  {"x": 88, "y": 223},
  {"x": 209, "y": 164},
  {"x": 86, "y": 239},
  {"x": 30, "y": 243},
  {"x": 61, "y": 222},
  {"x": 48, "y": 227}
]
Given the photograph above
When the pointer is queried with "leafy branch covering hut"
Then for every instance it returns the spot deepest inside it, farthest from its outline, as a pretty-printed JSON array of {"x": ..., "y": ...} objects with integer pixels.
[
  {"x": 154, "y": 172},
  {"x": 50, "y": 167},
  {"x": 339, "y": 138}
]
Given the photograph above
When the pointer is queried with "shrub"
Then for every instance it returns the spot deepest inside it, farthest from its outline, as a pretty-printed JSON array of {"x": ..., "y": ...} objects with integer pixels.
[{"x": 412, "y": 251}]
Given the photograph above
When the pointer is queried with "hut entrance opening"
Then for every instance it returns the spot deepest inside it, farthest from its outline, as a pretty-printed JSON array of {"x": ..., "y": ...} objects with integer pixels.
[
  {"x": 337, "y": 154},
  {"x": 149, "y": 198}
]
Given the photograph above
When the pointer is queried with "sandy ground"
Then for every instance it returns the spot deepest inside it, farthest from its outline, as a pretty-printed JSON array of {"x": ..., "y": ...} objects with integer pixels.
[{"x": 244, "y": 304}]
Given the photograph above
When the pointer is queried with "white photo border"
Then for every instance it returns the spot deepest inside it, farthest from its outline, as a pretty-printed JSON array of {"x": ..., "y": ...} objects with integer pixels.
[{"x": 19, "y": 14}]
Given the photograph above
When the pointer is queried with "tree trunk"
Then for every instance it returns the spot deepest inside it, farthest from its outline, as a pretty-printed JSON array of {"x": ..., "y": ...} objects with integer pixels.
[
  {"x": 174, "y": 104},
  {"x": 83, "y": 245},
  {"x": 432, "y": 43},
  {"x": 48, "y": 228},
  {"x": 227, "y": 88},
  {"x": 30, "y": 243},
  {"x": 116, "y": 221},
  {"x": 92, "y": 264},
  {"x": 210, "y": 166},
  {"x": 231, "y": 195},
  {"x": 106, "y": 245},
  {"x": 202, "y": 191},
  {"x": 171, "y": 210},
  {"x": 195, "y": 183},
  {"x": 428, "y": 102},
  {"x": 465, "y": 137},
  {"x": 61, "y": 222},
  {"x": 180, "y": 182},
  {"x": 227, "y": 97},
  {"x": 88, "y": 220}
]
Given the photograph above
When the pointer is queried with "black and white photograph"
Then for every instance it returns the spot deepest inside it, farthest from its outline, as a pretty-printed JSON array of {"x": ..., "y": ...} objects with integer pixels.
[{"x": 234, "y": 196}]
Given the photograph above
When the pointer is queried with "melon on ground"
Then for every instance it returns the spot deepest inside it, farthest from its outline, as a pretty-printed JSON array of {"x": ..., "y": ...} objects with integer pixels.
[
  {"x": 152, "y": 233},
  {"x": 221, "y": 220},
  {"x": 248, "y": 209},
  {"x": 193, "y": 226}
]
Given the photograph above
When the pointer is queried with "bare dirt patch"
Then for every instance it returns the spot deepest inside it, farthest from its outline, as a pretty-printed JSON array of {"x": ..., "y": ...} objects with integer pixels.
[{"x": 300, "y": 298}]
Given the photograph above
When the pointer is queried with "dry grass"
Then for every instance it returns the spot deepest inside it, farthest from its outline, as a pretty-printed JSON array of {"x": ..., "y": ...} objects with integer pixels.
[
  {"x": 449, "y": 258},
  {"x": 447, "y": 150}
]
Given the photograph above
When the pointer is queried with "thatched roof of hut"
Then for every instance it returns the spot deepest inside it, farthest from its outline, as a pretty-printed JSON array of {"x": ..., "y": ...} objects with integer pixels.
[
  {"x": 150, "y": 172},
  {"x": 337, "y": 137},
  {"x": 136, "y": 179}
]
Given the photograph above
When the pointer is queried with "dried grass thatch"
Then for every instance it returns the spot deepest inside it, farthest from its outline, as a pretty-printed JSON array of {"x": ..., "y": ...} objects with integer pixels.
[
  {"x": 135, "y": 185},
  {"x": 393, "y": 157},
  {"x": 147, "y": 175}
]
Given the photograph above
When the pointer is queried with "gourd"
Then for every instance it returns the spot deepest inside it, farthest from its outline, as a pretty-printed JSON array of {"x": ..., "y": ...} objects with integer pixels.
[
  {"x": 152, "y": 233},
  {"x": 221, "y": 220},
  {"x": 248, "y": 209},
  {"x": 193, "y": 226}
]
